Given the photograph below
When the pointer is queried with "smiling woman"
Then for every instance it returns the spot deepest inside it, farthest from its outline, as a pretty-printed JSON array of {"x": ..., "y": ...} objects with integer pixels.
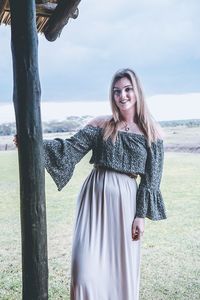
[
  {"x": 130, "y": 111},
  {"x": 111, "y": 208}
]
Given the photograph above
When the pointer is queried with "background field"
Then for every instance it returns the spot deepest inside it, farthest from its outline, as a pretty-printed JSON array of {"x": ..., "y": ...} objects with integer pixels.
[
  {"x": 171, "y": 248},
  {"x": 184, "y": 138}
]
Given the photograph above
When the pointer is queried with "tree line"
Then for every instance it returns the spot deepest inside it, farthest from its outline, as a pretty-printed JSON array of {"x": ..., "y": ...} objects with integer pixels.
[
  {"x": 70, "y": 124},
  {"x": 73, "y": 123}
]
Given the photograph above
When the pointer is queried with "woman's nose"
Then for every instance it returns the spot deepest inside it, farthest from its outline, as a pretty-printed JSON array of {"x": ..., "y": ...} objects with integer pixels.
[{"x": 123, "y": 94}]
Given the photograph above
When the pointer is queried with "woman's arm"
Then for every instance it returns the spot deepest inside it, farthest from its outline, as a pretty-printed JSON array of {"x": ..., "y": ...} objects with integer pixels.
[
  {"x": 149, "y": 198},
  {"x": 61, "y": 155}
]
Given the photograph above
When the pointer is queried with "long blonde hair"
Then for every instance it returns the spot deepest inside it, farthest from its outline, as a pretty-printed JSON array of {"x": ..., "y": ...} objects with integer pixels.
[{"x": 143, "y": 117}]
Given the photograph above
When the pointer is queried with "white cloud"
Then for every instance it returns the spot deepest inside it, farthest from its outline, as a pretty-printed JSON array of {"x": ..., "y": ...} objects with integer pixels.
[
  {"x": 5, "y": 57},
  {"x": 175, "y": 107},
  {"x": 112, "y": 24},
  {"x": 162, "y": 107},
  {"x": 149, "y": 35}
]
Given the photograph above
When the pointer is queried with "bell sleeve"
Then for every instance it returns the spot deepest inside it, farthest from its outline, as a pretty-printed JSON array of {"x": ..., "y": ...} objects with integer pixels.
[
  {"x": 61, "y": 156},
  {"x": 149, "y": 201}
]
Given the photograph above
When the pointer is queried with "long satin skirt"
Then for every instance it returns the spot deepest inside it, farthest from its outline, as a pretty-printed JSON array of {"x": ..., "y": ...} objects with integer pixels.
[{"x": 105, "y": 260}]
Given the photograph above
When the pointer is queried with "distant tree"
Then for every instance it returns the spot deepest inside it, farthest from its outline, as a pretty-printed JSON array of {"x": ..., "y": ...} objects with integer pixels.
[{"x": 73, "y": 123}]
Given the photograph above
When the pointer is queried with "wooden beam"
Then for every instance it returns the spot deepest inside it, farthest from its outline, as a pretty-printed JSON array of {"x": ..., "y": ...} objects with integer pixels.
[
  {"x": 65, "y": 9},
  {"x": 45, "y": 9},
  {"x": 41, "y": 1},
  {"x": 26, "y": 97},
  {"x": 4, "y": 4}
]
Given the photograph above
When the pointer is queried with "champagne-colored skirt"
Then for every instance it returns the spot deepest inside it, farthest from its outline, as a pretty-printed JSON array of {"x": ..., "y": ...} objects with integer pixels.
[{"x": 105, "y": 260}]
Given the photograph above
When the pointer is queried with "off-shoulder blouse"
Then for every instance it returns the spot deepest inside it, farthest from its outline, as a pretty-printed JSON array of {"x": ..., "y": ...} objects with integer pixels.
[{"x": 129, "y": 154}]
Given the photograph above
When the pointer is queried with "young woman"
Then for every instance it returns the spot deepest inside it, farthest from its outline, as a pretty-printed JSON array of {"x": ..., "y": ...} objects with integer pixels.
[{"x": 111, "y": 208}]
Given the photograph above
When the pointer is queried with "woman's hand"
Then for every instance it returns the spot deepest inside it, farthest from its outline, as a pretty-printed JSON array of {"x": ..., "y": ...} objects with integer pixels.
[
  {"x": 15, "y": 140},
  {"x": 137, "y": 228}
]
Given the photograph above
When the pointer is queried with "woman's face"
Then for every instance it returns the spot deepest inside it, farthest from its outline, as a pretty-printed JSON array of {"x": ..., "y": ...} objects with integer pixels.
[{"x": 124, "y": 95}]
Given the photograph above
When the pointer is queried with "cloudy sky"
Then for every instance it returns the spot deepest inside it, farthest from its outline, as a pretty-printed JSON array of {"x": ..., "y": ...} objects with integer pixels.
[{"x": 159, "y": 39}]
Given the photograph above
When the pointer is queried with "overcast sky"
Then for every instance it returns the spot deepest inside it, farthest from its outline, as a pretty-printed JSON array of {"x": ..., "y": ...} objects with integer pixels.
[{"x": 159, "y": 39}]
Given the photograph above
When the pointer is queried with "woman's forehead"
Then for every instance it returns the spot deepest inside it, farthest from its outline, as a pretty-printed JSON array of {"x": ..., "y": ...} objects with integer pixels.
[{"x": 122, "y": 82}]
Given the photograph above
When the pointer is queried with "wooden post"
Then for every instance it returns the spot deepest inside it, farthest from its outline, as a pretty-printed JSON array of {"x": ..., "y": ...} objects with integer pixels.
[{"x": 26, "y": 97}]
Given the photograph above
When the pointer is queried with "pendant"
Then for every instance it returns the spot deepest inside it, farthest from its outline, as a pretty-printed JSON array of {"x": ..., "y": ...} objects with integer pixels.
[{"x": 127, "y": 128}]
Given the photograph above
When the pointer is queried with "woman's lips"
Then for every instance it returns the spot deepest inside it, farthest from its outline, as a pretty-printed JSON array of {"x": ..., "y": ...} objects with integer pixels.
[{"x": 124, "y": 101}]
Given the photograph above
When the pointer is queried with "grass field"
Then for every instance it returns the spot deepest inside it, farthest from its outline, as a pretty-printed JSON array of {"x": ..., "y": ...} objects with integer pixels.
[
  {"x": 179, "y": 136},
  {"x": 170, "y": 266},
  {"x": 182, "y": 135}
]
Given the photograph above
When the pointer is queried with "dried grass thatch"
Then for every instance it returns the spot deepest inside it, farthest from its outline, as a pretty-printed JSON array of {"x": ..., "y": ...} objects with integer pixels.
[{"x": 44, "y": 9}]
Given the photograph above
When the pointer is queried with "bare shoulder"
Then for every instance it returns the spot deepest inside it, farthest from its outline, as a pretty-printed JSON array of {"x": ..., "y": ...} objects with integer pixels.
[{"x": 99, "y": 121}]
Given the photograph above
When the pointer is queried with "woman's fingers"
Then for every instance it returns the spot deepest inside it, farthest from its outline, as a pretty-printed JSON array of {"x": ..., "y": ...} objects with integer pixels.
[
  {"x": 15, "y": 140},
  {"x": 137, "y": 235},
  {"x": 137, "y": 232}
]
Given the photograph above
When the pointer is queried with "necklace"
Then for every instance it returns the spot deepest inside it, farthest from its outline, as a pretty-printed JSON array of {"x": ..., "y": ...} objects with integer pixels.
[{"x": 127, "y": 127}]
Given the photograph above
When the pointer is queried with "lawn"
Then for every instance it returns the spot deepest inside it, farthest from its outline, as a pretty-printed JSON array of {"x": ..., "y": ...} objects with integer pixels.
[{"x": 170, "y": 266}]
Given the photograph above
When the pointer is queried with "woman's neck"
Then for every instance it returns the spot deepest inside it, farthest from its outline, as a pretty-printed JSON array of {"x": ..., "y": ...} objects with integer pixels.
[{"x": 128, "y": 116}]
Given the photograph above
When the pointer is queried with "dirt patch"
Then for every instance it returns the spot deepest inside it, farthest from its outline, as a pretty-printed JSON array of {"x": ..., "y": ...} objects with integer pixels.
[{"x": 190, "y": 148}]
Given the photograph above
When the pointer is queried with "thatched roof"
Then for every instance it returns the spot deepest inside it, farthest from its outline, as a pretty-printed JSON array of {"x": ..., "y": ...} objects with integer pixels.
[{"x": 44, "y": 10}]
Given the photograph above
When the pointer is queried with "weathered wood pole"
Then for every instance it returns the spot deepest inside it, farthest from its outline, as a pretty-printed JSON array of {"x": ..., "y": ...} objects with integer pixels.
[
  {"x": 64, "y": 10},
  {"x": 26, "y": 97}
]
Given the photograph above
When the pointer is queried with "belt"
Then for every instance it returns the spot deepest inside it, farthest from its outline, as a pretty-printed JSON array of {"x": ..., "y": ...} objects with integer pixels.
[{"x": 99, "y": 167}]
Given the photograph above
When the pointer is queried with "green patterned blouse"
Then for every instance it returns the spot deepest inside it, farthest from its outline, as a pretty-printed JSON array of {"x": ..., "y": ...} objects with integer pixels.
[{"x": 129, "y": 154}]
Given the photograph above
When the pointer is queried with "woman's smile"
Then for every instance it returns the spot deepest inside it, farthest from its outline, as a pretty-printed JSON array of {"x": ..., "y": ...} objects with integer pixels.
[{"x": 124, "y": 101}]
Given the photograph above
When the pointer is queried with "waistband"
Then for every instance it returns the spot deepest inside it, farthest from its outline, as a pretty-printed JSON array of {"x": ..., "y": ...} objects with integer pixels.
[{"x": 131, "y": 175}]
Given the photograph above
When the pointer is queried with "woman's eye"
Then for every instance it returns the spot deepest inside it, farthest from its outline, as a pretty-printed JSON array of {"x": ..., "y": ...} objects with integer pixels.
[
  {"x": 128, "y": 89},
  {"x": 116, "y": 92}
]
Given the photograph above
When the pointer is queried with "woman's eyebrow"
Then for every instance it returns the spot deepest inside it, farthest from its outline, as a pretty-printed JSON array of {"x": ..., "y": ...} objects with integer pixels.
[{"x": 123, "y": 87}]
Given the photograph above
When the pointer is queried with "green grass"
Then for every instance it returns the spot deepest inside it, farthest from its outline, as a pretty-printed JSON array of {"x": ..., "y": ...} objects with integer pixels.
[{"x": 170, "y": 265}]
